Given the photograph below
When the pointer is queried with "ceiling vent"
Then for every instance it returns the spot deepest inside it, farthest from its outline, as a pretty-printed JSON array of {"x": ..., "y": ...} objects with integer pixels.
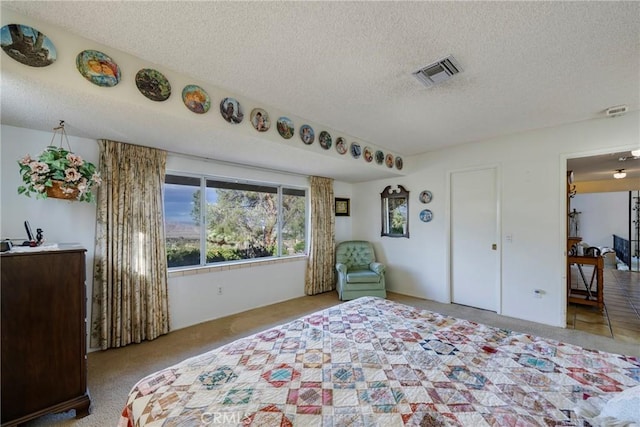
[
  {"x": 438, "y": 72},
  {"x": 616, "y": 111}
]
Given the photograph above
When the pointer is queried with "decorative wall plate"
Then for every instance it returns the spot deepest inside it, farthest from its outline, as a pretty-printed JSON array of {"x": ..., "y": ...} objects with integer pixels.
[
  {"x": 426, "y": 215},
  {"x": 98, "y": 68},
  {"x": 196, "y": 99},
  {"x": 426, "y": 196},
  {"x": 325, "y": 140},
  {"x": 307, "y": 135},
  {"x": 356, "y": 150},
  {"x": 379, "y": 157},
  {"x": 341, "y": 145},
  {"x": 153, "y": 84},
  {"x": 260, "y": 120},
  {"x": 368, "y": 155},
  {"x": 231, "y": 110},
  {"x": 27, "y": 45},
  {"x": 285, "y": 127},
  {"x": 399, "y": 163},
  {"x": 388, "y": 160}
]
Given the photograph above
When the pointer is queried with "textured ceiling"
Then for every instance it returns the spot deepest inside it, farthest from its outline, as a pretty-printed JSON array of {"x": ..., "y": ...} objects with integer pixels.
[{"x": 348, "y": 65}]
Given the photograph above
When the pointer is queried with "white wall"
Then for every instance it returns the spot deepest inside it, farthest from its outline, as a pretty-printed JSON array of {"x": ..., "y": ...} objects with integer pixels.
[
  {"x": 343, "y": 223},
  {"x": 603, "y": 215},
  {"x": 193, "y": 298},
  {"x": 532, "y": 166}
]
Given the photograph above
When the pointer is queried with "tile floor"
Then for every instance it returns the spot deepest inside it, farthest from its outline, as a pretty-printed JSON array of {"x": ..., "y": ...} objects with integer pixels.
[{"x": 620, "y": 318}]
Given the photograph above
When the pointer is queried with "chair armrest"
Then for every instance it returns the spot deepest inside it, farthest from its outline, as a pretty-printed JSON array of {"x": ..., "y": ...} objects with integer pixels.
[
  {"x": 342, "y": 268},
  {"x": 377, "y": 267}
]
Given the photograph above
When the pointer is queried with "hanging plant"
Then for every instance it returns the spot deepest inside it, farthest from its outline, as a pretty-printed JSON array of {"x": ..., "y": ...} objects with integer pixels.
[{"x": 58, "y": 173}]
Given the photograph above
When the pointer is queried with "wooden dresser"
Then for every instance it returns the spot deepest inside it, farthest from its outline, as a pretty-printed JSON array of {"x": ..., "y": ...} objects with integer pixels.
[{"x": 44, "y": 359}]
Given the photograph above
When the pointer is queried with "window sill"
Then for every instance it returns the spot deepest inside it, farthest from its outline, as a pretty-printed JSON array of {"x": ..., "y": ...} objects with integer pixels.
[{"x": 206, "y": 269}]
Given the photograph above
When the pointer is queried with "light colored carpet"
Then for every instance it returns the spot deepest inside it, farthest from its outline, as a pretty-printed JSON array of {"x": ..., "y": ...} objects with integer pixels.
[{"x": 112, "y": 373}]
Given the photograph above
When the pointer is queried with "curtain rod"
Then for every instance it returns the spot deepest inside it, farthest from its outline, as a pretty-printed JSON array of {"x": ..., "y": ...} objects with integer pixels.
[{"x": 234, "y": 164}]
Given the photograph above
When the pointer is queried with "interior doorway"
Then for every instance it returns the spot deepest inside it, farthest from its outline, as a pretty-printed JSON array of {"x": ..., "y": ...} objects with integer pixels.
[{"x": 600, "y": 206}]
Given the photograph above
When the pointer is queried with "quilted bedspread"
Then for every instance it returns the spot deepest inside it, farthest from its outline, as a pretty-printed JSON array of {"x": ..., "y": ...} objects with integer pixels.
[{"x": 374, "y": 362}]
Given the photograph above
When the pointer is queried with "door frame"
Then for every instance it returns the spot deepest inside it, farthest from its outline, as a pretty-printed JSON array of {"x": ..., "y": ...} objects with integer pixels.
[
  {"x": 498, "y": 175},
  {"x": 562, "y": 184}
]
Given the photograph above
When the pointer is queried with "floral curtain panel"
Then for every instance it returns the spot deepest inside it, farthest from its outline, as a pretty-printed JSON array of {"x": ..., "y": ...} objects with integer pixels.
[
  {"x": 130, "y": 272},
  {"x": 320, "y": 275}
]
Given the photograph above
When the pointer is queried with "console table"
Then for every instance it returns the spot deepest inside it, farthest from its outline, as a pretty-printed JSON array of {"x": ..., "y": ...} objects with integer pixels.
[{"x": 588, "y": 295}]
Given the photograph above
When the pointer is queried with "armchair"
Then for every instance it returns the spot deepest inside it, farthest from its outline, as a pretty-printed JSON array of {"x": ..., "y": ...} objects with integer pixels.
[{"x": 358, "y": 272}]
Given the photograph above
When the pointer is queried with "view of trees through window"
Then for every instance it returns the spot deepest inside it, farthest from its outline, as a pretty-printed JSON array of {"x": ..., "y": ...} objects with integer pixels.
[{"x": 236, "y": 221}]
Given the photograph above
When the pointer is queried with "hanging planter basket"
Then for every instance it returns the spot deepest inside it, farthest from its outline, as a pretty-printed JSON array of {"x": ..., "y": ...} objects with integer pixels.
[
  {"x": 58, "y": 173},
  {"x": 59, "y": 191}
]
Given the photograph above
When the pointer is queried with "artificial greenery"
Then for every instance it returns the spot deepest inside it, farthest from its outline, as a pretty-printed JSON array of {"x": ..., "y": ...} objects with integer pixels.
[{"x": 58, "y": 164}]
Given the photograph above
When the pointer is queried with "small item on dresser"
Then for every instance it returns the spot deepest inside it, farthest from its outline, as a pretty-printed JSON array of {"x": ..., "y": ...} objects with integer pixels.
[
  {"x": 27, "y": 227},
  {"x": 39, "y": 238},
  {"x": 5, "y": 245}
]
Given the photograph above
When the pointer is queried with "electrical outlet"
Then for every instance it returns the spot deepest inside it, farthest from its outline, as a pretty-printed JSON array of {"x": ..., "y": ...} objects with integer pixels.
[{"x": 219, "y": 290}]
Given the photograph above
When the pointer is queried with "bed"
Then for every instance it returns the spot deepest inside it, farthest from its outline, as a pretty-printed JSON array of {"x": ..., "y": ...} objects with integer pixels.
[{"x": 375, "y": 362}]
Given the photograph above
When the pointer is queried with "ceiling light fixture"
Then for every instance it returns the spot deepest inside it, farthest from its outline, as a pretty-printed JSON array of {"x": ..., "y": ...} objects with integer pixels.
[{"x": 620, "y": 174}]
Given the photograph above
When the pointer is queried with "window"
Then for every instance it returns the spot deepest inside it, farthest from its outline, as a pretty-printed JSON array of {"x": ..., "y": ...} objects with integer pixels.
[{"x": 234, "y": 221}]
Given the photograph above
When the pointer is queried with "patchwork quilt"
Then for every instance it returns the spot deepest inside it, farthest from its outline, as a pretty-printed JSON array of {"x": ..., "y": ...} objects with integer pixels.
[{"x": 374, "y": 362}]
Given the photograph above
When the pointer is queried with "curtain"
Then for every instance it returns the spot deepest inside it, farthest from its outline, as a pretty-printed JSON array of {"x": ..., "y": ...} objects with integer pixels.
[
  {"x": 130, "y": 265},
  {"x": 320, "y": 275}
]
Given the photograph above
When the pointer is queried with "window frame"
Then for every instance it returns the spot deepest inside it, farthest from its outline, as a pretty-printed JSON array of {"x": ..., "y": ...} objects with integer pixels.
[{"x": 260, "y": 186}]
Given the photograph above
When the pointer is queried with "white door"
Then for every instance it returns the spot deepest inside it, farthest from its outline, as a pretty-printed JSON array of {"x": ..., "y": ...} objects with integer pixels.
[{"x": 475, "y": 259}]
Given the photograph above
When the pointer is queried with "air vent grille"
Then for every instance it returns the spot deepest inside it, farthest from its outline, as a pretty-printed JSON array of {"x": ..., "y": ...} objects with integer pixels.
[
  {"x": 438, "y": 72},
  {"x": 616, "y": 111}
]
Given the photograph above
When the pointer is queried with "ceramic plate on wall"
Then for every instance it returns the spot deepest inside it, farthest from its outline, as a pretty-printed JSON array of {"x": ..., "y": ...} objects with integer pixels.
[
  {"x": 368, "y": 155},
  {"x": 231, "y": 110},
  {"x": 325, "y": 140},
  {"x": 153, "y": 84},
  {"x": 388, "y": 160},
  {"x": 19, "y": 42},
  {"x": 196, "y": 99},
  {"x": 426, "y": 196},
  {"x": 285, "y": 127},
  {"x": 399, "y": 163},
  {"x": 260, "y": 120},
  {"x": 426, "y": 215},
  {"x": 341, "y": 145},
  {"x": 379, "y": 157},
  {"x": 356, "y": 150},
  {"x": 98, "y": 68},
  {"x": 307, "y": 135}
]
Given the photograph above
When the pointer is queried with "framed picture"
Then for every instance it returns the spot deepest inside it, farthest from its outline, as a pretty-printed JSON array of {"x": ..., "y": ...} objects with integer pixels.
[{"x": 343, "y": 207}]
